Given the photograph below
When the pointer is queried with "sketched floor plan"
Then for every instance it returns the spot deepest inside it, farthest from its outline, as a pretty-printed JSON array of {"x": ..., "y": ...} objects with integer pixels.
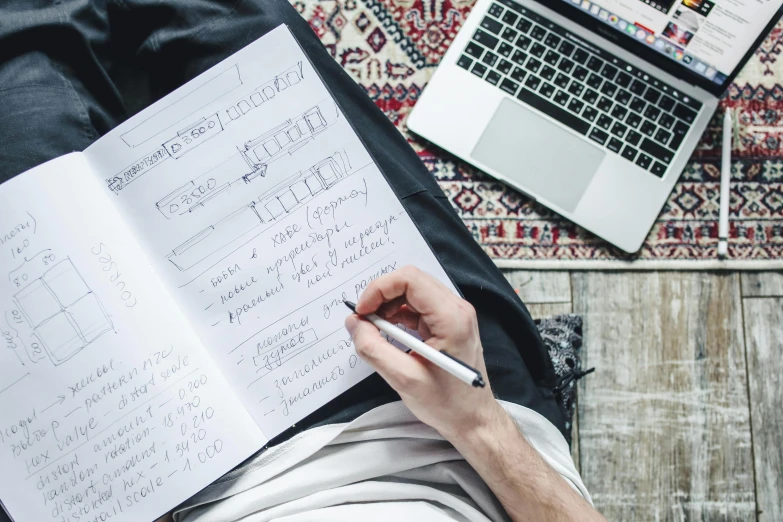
[
  {"x": 65, "y": 315},
  {"x": 282, "y": 199}
]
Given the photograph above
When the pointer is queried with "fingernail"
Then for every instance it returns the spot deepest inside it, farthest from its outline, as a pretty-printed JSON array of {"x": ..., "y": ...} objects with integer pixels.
[{"x": 351, "y": 322}]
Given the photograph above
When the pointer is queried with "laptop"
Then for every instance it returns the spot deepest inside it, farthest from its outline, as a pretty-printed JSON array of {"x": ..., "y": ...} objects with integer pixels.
[{"x": 591, "y": 108}]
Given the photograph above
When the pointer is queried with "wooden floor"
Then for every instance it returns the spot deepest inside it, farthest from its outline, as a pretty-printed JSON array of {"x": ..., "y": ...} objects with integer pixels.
[{"x": 683, "y": 418}]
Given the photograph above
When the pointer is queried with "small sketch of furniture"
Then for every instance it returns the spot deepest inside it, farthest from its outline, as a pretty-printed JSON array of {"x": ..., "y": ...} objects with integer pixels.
[{"x": 64, "y": 313}]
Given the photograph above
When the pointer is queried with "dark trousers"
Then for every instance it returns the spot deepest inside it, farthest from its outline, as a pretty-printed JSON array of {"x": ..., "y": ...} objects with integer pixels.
[{"x": 71, "y": 70}]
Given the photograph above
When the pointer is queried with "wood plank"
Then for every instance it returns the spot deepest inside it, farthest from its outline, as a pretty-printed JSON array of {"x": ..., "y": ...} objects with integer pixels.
[
  {"x": 762, "y": 284},
  {"x": 540, "y": 310},
  {"x": 538, "y": 287},
  {"x": 664, "y": 429},
  {"x": 764, "y": 337}
]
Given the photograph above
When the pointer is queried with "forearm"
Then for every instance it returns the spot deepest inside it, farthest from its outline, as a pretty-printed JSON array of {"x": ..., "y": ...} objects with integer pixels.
[{"x": 528, "y": 488}]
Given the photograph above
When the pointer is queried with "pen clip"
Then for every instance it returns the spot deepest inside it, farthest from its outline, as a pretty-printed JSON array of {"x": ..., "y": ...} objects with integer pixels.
[{"x": 479, "y": 381}]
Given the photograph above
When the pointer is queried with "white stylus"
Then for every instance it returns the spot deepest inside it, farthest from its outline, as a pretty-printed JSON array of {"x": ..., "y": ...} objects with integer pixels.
[
  {"x": 725, "y": 183},
  {"x": 451, "y": 364}
]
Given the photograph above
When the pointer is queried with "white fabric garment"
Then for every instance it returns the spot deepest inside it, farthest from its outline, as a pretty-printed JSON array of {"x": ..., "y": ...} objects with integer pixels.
[{"x": 385, "y": 465}]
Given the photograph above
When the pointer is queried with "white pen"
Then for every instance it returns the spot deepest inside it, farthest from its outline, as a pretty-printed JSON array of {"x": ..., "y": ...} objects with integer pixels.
[
  {"x": 449, "y": 363},
  {"x": 725, "y": 182}
]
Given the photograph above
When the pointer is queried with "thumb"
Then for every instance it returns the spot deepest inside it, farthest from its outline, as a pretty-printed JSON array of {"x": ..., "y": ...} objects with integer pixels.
[{"x": 394, "y": 365}]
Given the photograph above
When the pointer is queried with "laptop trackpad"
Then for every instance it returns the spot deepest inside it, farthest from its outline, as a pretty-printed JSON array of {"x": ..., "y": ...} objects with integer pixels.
[{"x": 537, "y": 155}]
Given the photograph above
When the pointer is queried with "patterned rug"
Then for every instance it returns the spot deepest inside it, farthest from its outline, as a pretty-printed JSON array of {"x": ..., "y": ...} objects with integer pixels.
[{"x": 391, "y": 48}]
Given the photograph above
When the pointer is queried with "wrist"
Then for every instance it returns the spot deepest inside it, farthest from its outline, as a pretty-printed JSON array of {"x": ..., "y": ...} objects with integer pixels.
[{"x": 490, "y": 420}]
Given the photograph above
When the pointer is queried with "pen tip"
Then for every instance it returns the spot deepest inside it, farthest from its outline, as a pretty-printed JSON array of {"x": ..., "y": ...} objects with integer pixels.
[{"x": 350, "y": 305}]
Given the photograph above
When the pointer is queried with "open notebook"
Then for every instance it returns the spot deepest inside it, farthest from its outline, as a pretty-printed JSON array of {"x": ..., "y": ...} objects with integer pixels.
[{"x": 171, "y": 297}]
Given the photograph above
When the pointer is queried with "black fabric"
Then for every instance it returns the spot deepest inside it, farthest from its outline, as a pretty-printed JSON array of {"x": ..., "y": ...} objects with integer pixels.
[{"x": 72, "y": 70}]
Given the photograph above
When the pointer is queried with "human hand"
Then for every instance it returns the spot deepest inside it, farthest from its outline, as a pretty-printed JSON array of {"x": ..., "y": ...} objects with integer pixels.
[{"x": 444, "y": 321}]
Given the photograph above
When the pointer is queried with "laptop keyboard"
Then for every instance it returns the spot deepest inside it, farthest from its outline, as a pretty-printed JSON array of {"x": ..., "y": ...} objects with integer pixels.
[{"x": 586, "y": 89}]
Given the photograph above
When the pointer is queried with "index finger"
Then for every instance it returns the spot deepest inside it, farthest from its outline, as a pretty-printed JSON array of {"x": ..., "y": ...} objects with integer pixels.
[{"x": 422, "y": 292}]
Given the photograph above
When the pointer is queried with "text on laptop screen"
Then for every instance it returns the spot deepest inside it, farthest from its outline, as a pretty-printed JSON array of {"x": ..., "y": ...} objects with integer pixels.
[{"x": 709, "y": 37}]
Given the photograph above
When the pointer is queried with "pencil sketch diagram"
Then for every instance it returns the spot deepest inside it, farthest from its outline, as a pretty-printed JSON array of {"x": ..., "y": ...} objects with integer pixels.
[
  {"x": 282, "y": 199},
  {"x": 199, "y": 127},
  {"x": 65, "y": 315},
  {"x": 257, "y": 154}
]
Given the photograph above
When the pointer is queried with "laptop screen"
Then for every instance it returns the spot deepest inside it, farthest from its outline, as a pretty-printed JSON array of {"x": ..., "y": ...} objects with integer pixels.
[{"x": 709, "y": 37}]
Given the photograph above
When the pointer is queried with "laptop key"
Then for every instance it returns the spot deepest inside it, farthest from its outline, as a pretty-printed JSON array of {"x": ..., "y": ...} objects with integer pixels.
[
  {"x": 618, "y": 129},
  {"x": 590, "y": 96},
  {"x": 465, "y": 61},
  {"x": 604, "y": 121},
  {"x": 509, "y": 86},
  {"x": 479, "y": 69},
  {"x": 562, "y": 80},
  {"x": 496, "y": 10},
  {"x": 643, "y": 160},
  {"x": 523, "y": 42},
  {"x": 594, "y": 81},
  {"x": 474, "y": 50},
  {"x": 518, "y": 74},
  {"x": 580, "y": 56},
  {"x": 510, "y": 18},
  {"x": 548, "y": 73},
  {"x": 637, "y": 87},
  {"x": 538, "y": 33},
  {"x": 614, "y": 145},
  {"x": 565, "y": 65},
  {"x": 490, "y": 58},
  {"x": 609, "y": 88},
  {"x": 552, "y": 40},
  {"x": 651, "y": 95},
  {"x": 504, "y": 66},
  {"x": 684, "y": 113},
  {"x": 580, "y": 73},
  {"x": 633, "y": 120},
  {"x": 637, "y": 105},
  {"x": 551, "y": 57},
  {"x": 575, "y": 105},
  {"x": 629, "y": 153},
  {"x": 679, "y": 132},
  {"x": 575, "y": 88},
  {"x": 533, "y": 65},
  {"x": 590, "y": 114},
  {"x": 623, "y": 79},
  {"x": 537, "y": 50},
  {"x": 598, "y": 135},
  {"x": 666, "y": 121},
  {"x": 552, "y": 110},
  {"x": 666, "y": 103},
  {"x": 594, "y": 64},
  {"x": 605, "y": 104},
  {"x": 647, "y": 128},
  {"x": 524, "y": 25},
  {"x": 505, "y": 49},
  {"x": 658, "y": 169},
  {"x": 663, "y": 136},
  {"x": 633, "y": 137},
  {"x": 609, "y": 72},
  {"x": 533, "y": 82},
  {"x": 493, "y": 77},
  {"x": 663, "y": 154},
  {"x": 619, "y": 112},
  {"x": 509, "y": 34},
  {"x": 652, "y": 112},
  {"x": 519, "y": 58},
  {"x": 566, "y": 48},
  {"x": 561, "y": 98},
  {"x": 485, "y": 39},
  {"x": 623, "y": 97},
  {"x": 491, "y": 25},
  {"x": 547, "y": 90}
]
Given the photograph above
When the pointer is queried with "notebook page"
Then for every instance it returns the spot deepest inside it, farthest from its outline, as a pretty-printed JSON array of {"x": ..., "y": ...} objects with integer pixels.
[
  {"x": 262, "y": 211},
  {"x": 110, "y": 408}
]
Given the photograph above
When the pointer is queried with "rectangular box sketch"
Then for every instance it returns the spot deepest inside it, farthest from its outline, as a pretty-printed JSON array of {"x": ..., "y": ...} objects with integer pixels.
[
  {"x": 65, "y": 315},
  {"x": 183, "y": 108},
  {"x": 280, "y": 200},
  {"x": 284, "y": 139},
  {"x": 194, "y": 135}
]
